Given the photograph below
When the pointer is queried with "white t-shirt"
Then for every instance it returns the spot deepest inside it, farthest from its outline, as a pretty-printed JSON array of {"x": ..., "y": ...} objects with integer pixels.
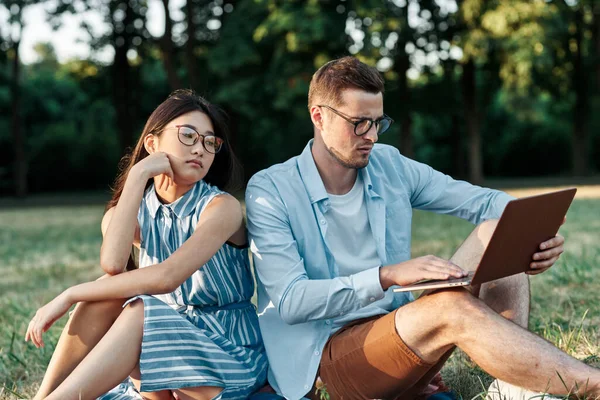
[{"x": 349, "y": 237}]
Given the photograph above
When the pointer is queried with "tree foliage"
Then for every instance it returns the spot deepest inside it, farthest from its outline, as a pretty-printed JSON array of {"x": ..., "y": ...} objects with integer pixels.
[{"x": 477, "y": 88}]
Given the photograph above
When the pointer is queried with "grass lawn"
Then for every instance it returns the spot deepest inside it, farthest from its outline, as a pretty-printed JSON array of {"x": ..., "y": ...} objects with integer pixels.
[{"x": 45, "y": 250}]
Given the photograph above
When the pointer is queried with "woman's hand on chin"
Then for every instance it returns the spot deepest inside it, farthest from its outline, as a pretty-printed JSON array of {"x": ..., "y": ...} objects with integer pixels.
[
  {"x": 45, "y": 317},
  {"x": 155, "y": 164}
]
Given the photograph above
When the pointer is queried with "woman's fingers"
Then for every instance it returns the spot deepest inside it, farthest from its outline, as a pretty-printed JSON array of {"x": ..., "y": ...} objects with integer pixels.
[
  {"x": 34, "y": 335},
  {"x": 28, "y": 333},
  {"x": 34, "y": 332},
  {"x": 38, "y": 334}
]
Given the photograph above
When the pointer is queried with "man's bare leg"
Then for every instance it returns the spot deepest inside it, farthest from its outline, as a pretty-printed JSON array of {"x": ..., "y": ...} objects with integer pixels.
[
  {"x": 433, "y": 324},
  {"x": 86, "y": 326},
  {"x": 510, "y": 296}
]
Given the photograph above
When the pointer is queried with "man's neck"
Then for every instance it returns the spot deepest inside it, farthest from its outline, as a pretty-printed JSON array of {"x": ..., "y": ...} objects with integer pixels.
[{"x": 336, "y": 178}]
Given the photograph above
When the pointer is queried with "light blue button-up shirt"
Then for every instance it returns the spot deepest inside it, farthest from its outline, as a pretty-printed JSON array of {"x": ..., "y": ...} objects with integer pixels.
[{"x": 300, "y": 291}]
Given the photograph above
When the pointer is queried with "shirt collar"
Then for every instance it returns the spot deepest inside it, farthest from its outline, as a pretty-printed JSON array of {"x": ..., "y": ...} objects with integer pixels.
[
  {"x": 313, "y": 182},
  {"x": 310, "y": 175},
  {"x": 366, "y": 177},
  {"x": 182, "y": 207}
]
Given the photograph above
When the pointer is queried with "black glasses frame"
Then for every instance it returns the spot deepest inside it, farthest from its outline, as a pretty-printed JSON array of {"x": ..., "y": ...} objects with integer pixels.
[
  {"x": 218, "y": 140},
  {"x": 350, "y": 119}
]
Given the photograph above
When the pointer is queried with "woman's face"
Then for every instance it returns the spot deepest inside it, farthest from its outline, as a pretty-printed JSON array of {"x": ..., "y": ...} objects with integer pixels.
[{"x": 190, "y": 161}]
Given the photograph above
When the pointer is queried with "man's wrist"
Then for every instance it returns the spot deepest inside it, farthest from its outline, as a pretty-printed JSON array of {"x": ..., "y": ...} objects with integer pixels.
[{"x": 384, "y": 277}]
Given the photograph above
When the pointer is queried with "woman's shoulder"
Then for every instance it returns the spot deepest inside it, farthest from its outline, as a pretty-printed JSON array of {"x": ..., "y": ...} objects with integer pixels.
[{"x": 208, "y": 194}]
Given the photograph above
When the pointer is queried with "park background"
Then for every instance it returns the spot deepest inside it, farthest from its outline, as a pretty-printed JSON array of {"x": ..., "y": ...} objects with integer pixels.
[{"x": 500, "y": 93}]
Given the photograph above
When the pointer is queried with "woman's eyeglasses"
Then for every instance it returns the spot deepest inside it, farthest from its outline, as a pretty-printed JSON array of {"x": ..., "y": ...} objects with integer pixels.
[{"x": 189, "y": 137}]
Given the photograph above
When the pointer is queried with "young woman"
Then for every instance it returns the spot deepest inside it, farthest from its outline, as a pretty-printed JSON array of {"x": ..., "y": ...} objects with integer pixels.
[{"x": 188, "y": 330}]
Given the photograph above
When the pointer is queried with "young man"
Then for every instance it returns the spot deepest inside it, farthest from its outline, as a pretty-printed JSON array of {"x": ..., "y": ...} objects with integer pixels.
[{"x": 330, "y": 235}]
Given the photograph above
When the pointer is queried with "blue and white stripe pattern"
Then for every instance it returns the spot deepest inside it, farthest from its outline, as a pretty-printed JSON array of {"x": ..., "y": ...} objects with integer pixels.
[{"x": 206, "y": 332}]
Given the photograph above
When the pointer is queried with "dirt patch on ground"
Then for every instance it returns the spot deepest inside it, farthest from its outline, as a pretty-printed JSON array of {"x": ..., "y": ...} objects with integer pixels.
[{"x": 583, "y": 191}]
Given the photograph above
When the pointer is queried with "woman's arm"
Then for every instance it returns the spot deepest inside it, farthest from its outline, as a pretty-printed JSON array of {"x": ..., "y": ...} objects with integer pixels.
[
  {"x": 220, "y": 220},
  {"x": 120, "y": 226},
  {"x": 104, "y": 227}
]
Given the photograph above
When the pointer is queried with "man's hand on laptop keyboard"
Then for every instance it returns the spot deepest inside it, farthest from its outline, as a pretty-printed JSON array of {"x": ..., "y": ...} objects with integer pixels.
[{"x": 419, "y": 269}]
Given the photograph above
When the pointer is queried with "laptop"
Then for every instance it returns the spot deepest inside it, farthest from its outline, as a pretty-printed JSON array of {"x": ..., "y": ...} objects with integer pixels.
[{"x": 523, "y": 226}]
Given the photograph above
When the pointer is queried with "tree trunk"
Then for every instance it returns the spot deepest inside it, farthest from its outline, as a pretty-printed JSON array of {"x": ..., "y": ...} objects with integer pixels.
[
  {"x": 402, "y": 63},
  {"x": 457, "y": 148},
  {"x": 596, "y": 39},
  {"x": 406, "y": 141},
  {"x": 471, "y": 112},
  {"x": 458, "y": 154},
  {"x": 168, "y": 49},
  {"x": 581, "y": 107},
  {"x": 190, "y": 56},
  {"x": 122, "y": 85},
  {"x": 20, "y": 161}
]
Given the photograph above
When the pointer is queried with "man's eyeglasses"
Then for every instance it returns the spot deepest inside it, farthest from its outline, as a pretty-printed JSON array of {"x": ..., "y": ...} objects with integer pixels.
[
  {"x": 363, "y": 125},
  {"x": 189, "y": 137}
]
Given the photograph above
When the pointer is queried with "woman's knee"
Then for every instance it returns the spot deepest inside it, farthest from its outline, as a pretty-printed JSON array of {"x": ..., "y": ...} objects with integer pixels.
[
  {"x": 200, "y": 392},
  {"x": 135, "y": 308},
  {"x": 95, "y": 313}
]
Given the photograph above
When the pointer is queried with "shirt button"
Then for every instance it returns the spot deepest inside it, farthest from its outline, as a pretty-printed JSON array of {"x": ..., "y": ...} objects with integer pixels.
[
  {"x": 372, "y": 299},
  {"x": 317, "y": 353},
  {"x": 306, "y": 387},
  {"x": 328, "y": 322},
  {"x": 322, "y": 222}
]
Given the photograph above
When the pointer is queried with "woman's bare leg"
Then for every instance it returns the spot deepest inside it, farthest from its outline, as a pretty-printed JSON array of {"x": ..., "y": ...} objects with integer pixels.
[
  {"x": 199, "y": 393},
  {"x": 86, "y": 326},
  {"x": 193, "y": 393},
  {"x": 110, "y": 361},
  {"x": 136, "y": 378}
]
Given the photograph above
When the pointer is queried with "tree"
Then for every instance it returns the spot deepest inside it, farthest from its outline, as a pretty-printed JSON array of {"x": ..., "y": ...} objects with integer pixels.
[
  {"x": 13, "y": 37},
  {"x": 264, "y": 60},
  {"x": 128, "y": 37}
]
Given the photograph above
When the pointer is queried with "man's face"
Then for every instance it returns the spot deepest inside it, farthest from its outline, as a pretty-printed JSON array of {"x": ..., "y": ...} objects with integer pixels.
[{"x": 340, "y": 141}]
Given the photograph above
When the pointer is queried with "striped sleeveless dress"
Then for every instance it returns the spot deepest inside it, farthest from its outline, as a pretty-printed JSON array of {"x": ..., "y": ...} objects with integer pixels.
[{"x": 206, "y": 332}]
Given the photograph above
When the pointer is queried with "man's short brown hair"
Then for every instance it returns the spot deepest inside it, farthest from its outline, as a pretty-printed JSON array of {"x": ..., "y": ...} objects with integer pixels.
[{"x": 328, "y": 83}]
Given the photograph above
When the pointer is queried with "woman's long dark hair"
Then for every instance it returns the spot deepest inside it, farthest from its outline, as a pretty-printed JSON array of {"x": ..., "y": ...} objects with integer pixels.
[{"x": 225, "y": 171}]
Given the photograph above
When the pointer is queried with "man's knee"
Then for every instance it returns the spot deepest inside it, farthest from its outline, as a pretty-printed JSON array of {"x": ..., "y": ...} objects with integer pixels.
[
  {"x": 432, "y": 325},
  {"x": 486, "y": 229},
  {"x": 444, "y": 309},
  {"x": 488, "y": 226}
]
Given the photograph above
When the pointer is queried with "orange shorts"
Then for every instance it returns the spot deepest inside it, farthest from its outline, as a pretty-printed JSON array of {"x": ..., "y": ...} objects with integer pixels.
[{"x": 367, "y": 359}]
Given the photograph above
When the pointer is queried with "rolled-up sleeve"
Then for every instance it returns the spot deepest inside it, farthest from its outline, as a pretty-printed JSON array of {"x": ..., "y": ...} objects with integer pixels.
[{"x": 281, "y": 269}]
